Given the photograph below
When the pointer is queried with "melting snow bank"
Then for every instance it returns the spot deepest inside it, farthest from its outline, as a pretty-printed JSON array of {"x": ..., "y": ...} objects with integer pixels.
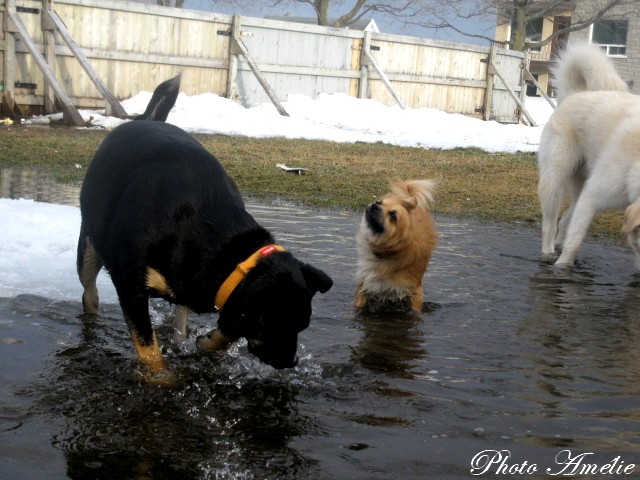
[
  {"x": 338, "y": 118},
  {"x": 38, "y": 251}
]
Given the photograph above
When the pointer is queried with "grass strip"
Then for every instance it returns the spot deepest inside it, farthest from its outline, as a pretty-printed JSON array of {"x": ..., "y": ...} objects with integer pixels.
[{"x": 471, "y": 183}]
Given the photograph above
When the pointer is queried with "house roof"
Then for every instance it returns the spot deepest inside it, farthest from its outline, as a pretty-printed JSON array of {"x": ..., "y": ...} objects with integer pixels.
[{"x": 364, "y": 24}]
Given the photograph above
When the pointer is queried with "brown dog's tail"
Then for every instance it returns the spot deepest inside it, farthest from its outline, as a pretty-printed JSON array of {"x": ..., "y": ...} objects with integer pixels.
[
  {"x": 162, "y": 101},
  {"x": 421, "y": 190}
]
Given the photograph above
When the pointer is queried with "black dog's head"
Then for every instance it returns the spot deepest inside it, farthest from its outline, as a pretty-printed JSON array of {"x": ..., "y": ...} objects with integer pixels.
[{"x": 272, "y": 305}]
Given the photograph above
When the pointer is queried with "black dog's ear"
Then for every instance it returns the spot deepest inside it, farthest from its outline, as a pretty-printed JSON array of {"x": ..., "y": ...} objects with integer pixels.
[{"x": 316, "y": 279}]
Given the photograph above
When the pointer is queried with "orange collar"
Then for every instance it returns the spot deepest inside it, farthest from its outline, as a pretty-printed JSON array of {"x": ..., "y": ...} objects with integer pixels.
[{"x": 241, "y": 271}]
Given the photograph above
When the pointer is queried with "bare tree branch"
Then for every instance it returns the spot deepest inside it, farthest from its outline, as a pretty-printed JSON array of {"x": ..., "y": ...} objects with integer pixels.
[
  {"x": 170, "y": 3},
  {"x": 446, "y": 14},
  {"x": 355, "y": 9},
  {"x": 582, "y": 23},
  {"x": 451, "y": 14}
]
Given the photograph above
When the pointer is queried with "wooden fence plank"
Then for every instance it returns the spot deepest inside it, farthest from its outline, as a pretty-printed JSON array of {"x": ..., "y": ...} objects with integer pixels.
[
  {"x": 8, "y": 97},
  {"x": 70, "y": 114},
  {"x": 133, "y": 47},
  {"x": 238, "y": 43},
  {"x": 488, "y": 94},
  {"x": 515, "y": 97},
  {"x": 531, "y": 78},
  {"x": 113, "y": 106},
  {"x": 385, "y": 80}
]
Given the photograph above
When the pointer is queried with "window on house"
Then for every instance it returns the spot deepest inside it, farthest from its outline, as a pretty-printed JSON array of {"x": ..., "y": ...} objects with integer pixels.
[
  {"x": 611, "y": 36},
  {"x": 534, "y": 32}
]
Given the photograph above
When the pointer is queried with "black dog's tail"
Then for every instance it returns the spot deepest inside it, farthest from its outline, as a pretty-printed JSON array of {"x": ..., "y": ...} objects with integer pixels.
[{"x": 162, "y": 101}]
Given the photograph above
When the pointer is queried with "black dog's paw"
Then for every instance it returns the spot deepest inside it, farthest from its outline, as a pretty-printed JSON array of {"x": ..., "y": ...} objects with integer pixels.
[{"x": 214, "y": 341}]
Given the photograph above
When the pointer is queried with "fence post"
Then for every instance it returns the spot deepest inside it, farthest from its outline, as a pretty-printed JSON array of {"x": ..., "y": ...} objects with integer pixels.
[
  {"x": 363, "y": 87},
  {"x": 70, "y": 115},
  {"x": 532, "y": 79},
  {"x": 523, "y": 84},
  {"x": 112, "y": 106},
  {"x": 48, "y": 30},
  {"x": 242, "y": 48},
  {"x": 8, "y": 97},
  {"x": 520, "y": 104},
  {"x": 488, "y": 91},
  {"x": 387, "y": 83},
  {"x": 232, "y": 73}
]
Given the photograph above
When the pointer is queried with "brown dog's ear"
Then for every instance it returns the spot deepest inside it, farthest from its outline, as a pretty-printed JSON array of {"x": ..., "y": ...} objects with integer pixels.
[
  {"x": 409, "y": 203},
  {"x": 316, "y": 279},
  {"x": 631, "y": 218}
]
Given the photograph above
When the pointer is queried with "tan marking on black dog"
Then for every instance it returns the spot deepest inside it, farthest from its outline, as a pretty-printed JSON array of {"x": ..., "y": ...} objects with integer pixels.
[
  {"x": 214, "y": 341},
  {"x": 150, "y": 355},
  {"x": 157, "y": 282}
]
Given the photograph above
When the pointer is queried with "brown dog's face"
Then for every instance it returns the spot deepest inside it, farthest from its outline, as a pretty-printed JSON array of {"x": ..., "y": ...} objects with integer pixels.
[
  {"x": 631, "y": 228},
  {"x": 395, "y": 240},
  {"x": 388, "y": 221}
]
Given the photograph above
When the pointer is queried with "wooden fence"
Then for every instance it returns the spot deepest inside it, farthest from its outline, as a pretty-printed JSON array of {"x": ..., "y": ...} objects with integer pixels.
[{"x": 94, "y": 51}]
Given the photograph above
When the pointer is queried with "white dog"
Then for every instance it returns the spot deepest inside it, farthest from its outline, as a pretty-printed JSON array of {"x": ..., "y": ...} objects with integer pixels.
[{"x": 589, "y": 150}]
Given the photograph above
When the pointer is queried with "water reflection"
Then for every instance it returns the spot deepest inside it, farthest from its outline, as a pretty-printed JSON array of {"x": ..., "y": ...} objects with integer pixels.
[
  {"x": 37, "y": 185},
  {"x": 230, "y": 415},
  {"x": 510, "y": 354},
  {"x": 391, "y": 342},
  {"x": 584, "y": 331}
]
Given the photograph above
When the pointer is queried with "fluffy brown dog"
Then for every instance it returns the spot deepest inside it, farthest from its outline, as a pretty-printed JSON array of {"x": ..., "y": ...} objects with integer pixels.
[
  {"x": 631, "y": 228},
  {"x": 395, "y": 241}
]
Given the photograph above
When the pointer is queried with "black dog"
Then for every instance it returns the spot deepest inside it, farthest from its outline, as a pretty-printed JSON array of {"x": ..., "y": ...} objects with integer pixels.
[{"x": 165, "y": 219}]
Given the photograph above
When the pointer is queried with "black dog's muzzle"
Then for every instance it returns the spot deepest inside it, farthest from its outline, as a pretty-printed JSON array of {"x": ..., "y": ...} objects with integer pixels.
[{"x": 272, "y": 356}]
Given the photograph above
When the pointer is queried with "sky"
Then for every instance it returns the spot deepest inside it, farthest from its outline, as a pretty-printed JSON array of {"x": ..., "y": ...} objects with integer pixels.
[
  {"x": 386, "y": 23},
  {"x": 38, "y": 244}
]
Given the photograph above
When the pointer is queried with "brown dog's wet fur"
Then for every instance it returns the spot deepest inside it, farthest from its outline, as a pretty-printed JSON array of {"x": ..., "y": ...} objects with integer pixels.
[
  {"x": 395, "y": 241},
  {"x": 631, "y": 228}
]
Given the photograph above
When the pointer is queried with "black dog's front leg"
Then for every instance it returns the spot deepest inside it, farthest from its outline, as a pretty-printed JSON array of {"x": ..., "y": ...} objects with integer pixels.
[{"x": 136, "y": 312}]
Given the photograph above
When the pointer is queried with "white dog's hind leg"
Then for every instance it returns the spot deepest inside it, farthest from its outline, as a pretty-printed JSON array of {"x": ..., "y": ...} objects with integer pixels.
[
  {"x": 576, "y": 184},
  {"x": 556, "y": 164},
  {"x": 180, "y": 319},
  {"x": 563, "y": 226},
  {"x": 597, "y": 195},
  {"x": 551, "y": 191},
  {"x": 550, "y": 202},
  {"x": 579, "y": 224}
]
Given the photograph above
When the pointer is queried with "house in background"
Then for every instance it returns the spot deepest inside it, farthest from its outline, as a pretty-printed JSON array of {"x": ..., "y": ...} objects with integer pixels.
[{"x": 617, "y": 33}]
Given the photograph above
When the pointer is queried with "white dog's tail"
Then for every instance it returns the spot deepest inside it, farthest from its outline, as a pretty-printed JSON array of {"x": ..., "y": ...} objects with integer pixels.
[
  {"x": 582, "y": 67},
  {"x": 421, "y": 190}
]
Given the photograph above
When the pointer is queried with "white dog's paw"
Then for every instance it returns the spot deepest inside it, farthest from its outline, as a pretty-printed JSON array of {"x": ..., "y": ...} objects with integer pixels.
[
  {"x": 563, "y": 262},
  {"x": 549, "y": 258}
]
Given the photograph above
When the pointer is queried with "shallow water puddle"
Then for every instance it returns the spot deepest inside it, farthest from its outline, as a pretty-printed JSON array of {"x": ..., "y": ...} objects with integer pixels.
[{"x": 510, "y": 355}]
